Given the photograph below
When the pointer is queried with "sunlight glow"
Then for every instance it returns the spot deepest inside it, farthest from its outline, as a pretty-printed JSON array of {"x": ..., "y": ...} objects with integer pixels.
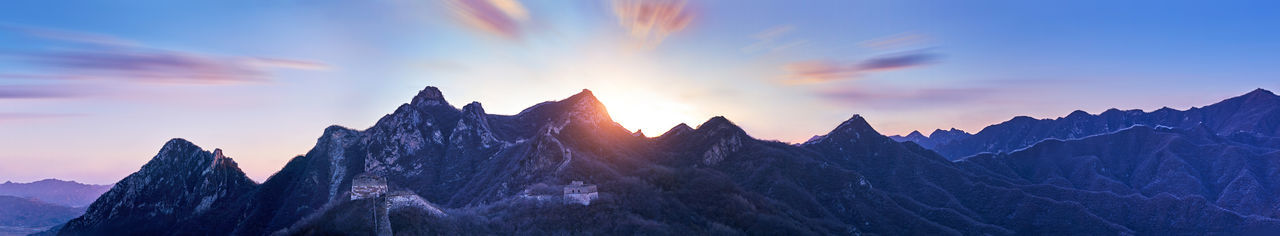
[{"x": 646, "y": 111}]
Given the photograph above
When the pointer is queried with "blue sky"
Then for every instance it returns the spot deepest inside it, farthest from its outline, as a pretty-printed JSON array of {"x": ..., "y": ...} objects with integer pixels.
[{"x": 89, "y": 90}]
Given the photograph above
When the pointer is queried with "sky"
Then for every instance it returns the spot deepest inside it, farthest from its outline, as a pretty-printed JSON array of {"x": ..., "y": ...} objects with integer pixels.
[{"x": 91, "y": 89}]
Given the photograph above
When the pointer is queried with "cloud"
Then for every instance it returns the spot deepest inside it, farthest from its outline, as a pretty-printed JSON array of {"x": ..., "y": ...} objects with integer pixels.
[
  {"x": 8, "y": 116},
  {"x": 897, "y": 41},
  {"x": 819, "y": 71},
  {"x": 895, "y": 62},
  {"x": 39, "y": 91},
  {"x": 69, "y": 36},
  {"x": 651, "y": 21},
  {"x": 886, "y": 97},
  {"x": 823, "y": 71},
  {"x": 769, "y": 40},
  {"x": 86, "y": 55},
  {"x": 498, "y": 17}
]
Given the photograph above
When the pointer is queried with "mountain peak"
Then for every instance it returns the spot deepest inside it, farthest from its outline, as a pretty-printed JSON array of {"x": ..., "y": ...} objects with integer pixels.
[
  {"x": 1259, "y": 92},
  {"x": 583, "y": 97},
  {"x": 585, "y": 102},
  {"x": 677, "y": 130},
  {"x": 917, "y": 134},
  {"x": 473, "y": 108},
  {"x": 177, "y": 143},
  {"x": 856, "y": 124},
  {"x": 1078, "y": 114},
  {"x": 429, "y": 96},
  {"x": 716, "y": 123}
]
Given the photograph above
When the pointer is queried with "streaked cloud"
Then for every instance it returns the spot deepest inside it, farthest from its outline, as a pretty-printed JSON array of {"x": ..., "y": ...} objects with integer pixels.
[
  {"x": 68, "y": 36},
  {"x": 652, "y": 21},
  {"x": 771, "y": 40},
  {"x": 498, "y": 17},
  {"x": 818, "y": 71},
  {"x": 823, "y": 71},
  {"x": 894, "y": 62},
  {"x": 910, "y": 39},
  {"x": 87, "y": 55},
  {"x": 35, "y": 116},
  {"x": 889, "y": 97},
  {"x": 39, "y": 91}
]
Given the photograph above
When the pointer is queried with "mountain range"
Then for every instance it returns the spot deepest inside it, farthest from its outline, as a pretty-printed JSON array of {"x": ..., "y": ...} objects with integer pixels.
[
  {"x": 1201, "y": 171},
  {"x": 1251, "y": 117},
  {"x": 61, "y": 192},
  {"x": 27, "y": 208}
]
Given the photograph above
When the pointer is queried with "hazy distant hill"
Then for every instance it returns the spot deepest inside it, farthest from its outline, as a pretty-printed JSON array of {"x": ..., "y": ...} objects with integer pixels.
[
  {"x": 1250, "y": 116},
  {"x": 22, "y": 216},
  {"x": 500, "y": 174},
  {"x": 67, "y": 193}
]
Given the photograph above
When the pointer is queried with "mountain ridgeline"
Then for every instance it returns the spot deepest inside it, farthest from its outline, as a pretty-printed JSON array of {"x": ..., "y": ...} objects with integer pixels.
[
  {"x": 468, "y": 172},
  {"x": 1253, "y": 117}
]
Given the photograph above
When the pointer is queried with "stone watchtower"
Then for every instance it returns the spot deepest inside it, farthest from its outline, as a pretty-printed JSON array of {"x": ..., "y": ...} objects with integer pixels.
[
  {"x": 579, "y": 193},
  {"x": 371, "y": 186},
  {"x": 368, "y": 186}
]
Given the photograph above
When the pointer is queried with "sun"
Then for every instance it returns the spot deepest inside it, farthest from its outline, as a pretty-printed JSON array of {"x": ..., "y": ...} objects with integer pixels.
[{"x": 649, "y": 112}]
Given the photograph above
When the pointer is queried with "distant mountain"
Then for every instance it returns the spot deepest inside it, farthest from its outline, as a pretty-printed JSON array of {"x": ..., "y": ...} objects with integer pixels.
[
  {"x": 1153, "y": 162},
  {"x": 1255, "y": 115},
  {"x": 22, "y": 216},
  {"x": 67, "y": 193},
  {"x": 938, "y": 137},
  {"x": 468, "y": 172}
]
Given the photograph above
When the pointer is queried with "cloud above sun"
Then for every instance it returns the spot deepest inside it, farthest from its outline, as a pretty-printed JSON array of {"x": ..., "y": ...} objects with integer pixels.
[{"x": 652, "y": 21}]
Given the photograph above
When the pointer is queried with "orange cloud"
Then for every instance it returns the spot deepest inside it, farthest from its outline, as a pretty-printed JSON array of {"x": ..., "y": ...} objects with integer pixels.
[
  {"x": 498, "y": 17},
  {"x": 822, "y": 71},
  {"x": 651, "y": 21},
  {"x": 818, "y": 71}
]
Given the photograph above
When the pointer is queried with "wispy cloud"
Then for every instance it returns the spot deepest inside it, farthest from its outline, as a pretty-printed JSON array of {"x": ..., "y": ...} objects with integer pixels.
[
  {"x": 887, "y": 97},
  {"x": 88, "y": 55},
  {"x": 652, "y": 21},
  {"x": 894, "y": 62},
  {"x": 823, "y": 71},
  {"x": 10, "y": 116},
  {"x": 771, "y": 40},
  {"x": 909, "y": 39},
  {"x": 39, "y": 91},
  {"x": 498, "y": 17},
  {"x": 68, "y": 36}
]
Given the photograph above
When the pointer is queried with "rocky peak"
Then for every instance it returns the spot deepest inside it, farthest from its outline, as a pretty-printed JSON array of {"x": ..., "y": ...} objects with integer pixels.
[
  {"x": 677, "y": 130},
  {"x": 429, "y": 96},
  {"x": 854, "y": 129},
  {"x": 719, "y": 125},
  {"x": 219, "y": 159},
  {"x": 856, "y": 124},
  {"x": 473, "y": 108},
  {"x": 586, "y": 103}
]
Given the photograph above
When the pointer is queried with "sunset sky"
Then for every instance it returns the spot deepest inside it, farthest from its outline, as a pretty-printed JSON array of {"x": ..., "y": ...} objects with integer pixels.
[{"x": 90, "y": 90}]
